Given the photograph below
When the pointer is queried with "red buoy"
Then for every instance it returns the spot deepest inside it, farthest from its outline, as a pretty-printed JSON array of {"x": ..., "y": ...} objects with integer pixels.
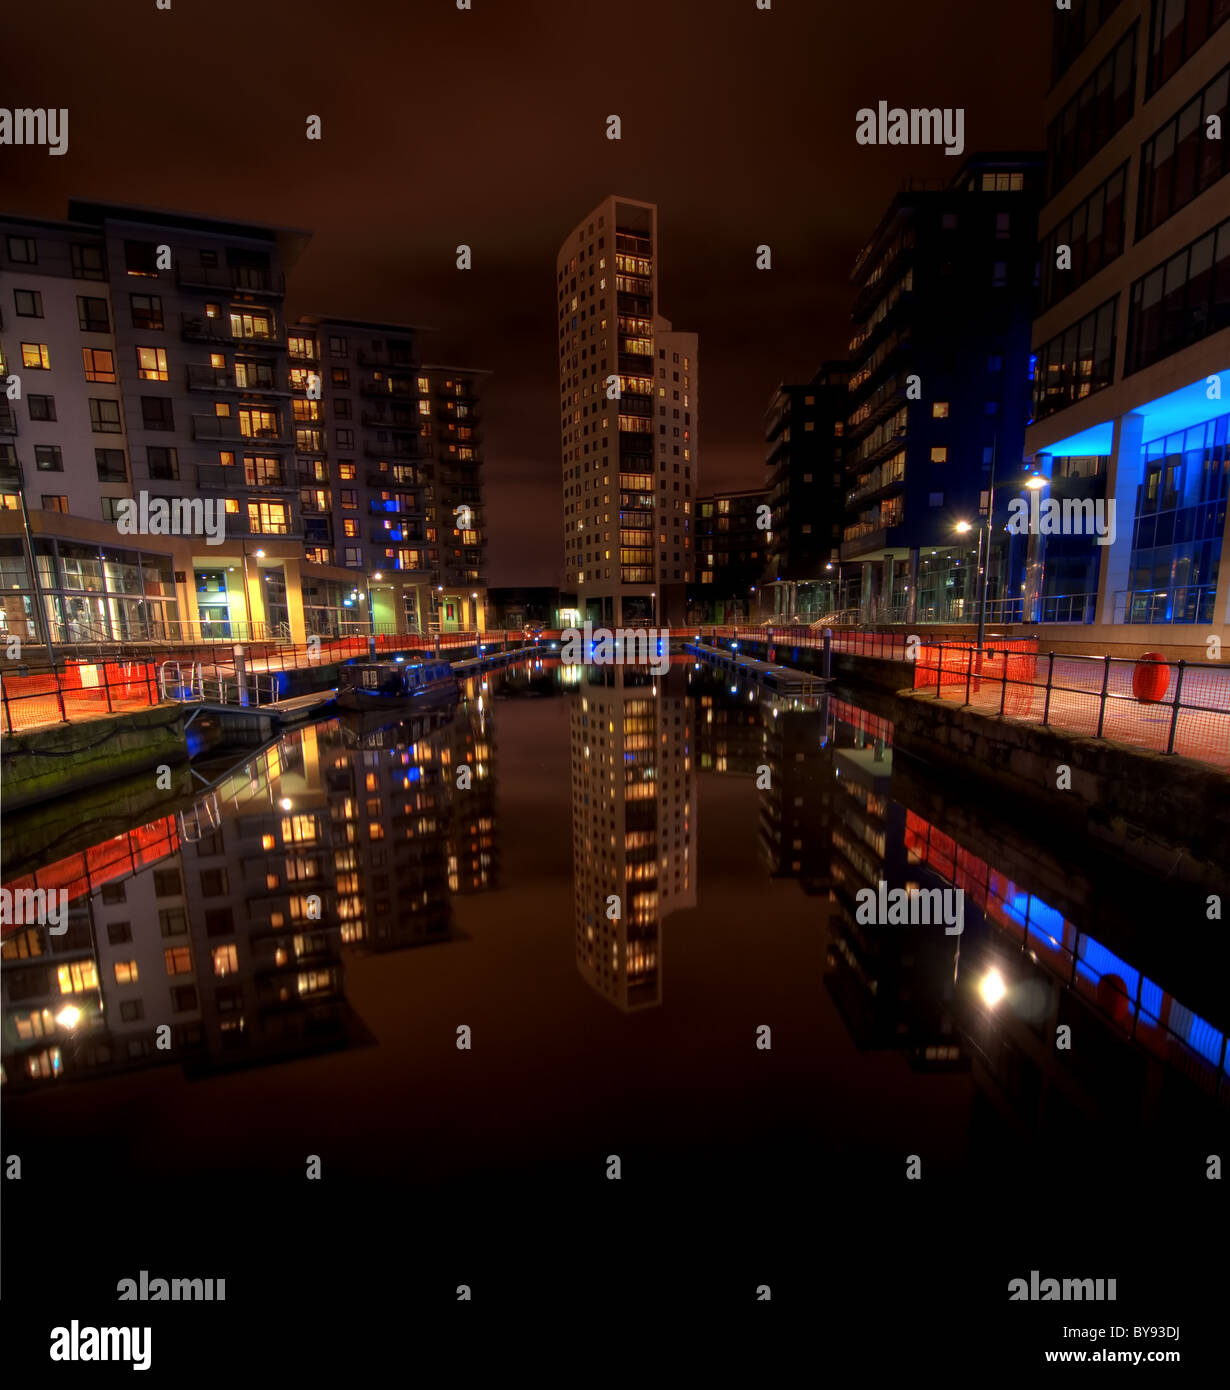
[{"x": 1150, "y": 678}]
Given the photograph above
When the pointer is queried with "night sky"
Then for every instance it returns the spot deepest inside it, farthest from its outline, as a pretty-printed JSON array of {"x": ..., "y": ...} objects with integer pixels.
[{"x": 488, "y": 127}]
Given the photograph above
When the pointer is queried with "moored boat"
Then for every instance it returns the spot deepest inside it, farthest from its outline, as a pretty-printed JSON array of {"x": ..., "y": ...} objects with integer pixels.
[{"x": 389, "y": 685}]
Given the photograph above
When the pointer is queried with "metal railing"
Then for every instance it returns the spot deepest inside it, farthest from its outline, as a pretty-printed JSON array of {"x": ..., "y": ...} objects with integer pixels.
[
  {"x": 85, "y": 688},
  {"x": 79, "y": 690},
  {"x": 1179, "y": 708}
]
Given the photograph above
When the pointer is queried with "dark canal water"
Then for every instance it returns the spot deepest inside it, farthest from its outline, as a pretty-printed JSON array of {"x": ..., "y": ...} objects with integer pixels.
[{"x": 312, "y": 939}]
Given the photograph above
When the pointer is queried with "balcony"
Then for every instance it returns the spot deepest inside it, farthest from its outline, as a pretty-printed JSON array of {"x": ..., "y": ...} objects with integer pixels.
[
  {"x": 396, "y": 535},
  {"x": 214, "y": 429},
  {"x": 238, "y": 524},
  {"x": 882, "y": 279},
  {"x": 8, "y": 419},
  {"x": 368, "y": 357},
  {"x": 395, "y": 449},
  {"x": 885, "y": 449},
  {"x": 881, "y": 403},
  {"x": 214, "y": 477},
  {"x": 475, "y": 441},
  {"x": 388, "y": 391},
  {"x": 779, "y": 416},
  {"x": 199, "y": 328},
  {"x": 396, "y": 478},
  {"x": 377, "y": 421},
  {"x": 239, "y": 278},
  {"x": 214, "y": 379},
  {"x": 391, "y": 509},
  {"x": 874, "y": 488}
]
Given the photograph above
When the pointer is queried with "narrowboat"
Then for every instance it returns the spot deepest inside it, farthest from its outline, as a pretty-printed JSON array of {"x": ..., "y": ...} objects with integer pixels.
[{"x": 389, "y": 685}]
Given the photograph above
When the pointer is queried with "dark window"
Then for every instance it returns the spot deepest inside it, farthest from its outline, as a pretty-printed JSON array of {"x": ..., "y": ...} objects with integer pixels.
[
  {"x": 131, "y": 1010},
  {"x": 156, "y": 413},
  {"x": 1076, "y": 362},
  {"x": 104, "y": 416},
  {"x": 146, "y": 310},
  {"x": 1179, "y": 161},
  {"x": 119, "y": 932},
  {"x": 114, "y": 893},
  {"x": 28, "y": 304},
  {"x": 1100, "y": 108},
  {"x": 92, "y": 315},
  {"x": 141, "y": 257},
  {"x": 183, "y": 997},
  {"x": 167, "y": 883},
  {"x": 1181, "y": 301},
  {"x": 1073, "y": 29},
  {"x": 220, "y": 922},
  {"x": 88, "y": 263},
  {"x": 172, "y": 921},
  {"x": 210, "y": 845},
  {"x": 48, "y": 458},
  {"x": 41, "y": 407},
  {"x": 162, "y": 462},
  {"x": 23, "y": 250},
  {"x": 1177, "y": 30},
  {"x": 213, "y": 883},
  {"x": 111, "y": 466},
  {"x": 1093, "y": 232}
]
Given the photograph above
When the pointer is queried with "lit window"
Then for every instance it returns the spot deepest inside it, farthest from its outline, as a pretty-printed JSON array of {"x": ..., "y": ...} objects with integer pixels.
[
  {"x": 939, "y": 410},
  {"x": 939, "y": 454},
  {"x": 226, "y": 960},
  {"x": 178, "y": 960},
  {"x": 98, "y": 362},
  {"x": 152, "y": 364}
]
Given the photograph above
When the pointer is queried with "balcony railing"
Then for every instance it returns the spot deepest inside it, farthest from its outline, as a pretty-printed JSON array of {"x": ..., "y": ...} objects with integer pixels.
[
  {"x": 240, "y": 278},
  {"x": 8, "y": 419},
  {"x": 216, "y": 478},
  {"x": 197, "y": 328},
  {"x": 375, "y": 420},
  {"x": 395, "y": 449},
  {"x": 202, "y": 378},
  {"x": 370, "y": 358},
  {"x": 227, "y": 428},
  {"x": 388, "y": 391},
  {"x": 397, "y": 478}
]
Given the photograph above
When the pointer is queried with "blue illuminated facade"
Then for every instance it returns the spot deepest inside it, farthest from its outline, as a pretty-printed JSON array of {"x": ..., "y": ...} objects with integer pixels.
[{"x": 1132, "y": 378}]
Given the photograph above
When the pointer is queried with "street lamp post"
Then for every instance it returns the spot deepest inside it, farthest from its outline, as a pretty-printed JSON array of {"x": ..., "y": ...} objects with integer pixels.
[
  {"x": 986, "y": 572},
  {"x": 247, "y": 600}
]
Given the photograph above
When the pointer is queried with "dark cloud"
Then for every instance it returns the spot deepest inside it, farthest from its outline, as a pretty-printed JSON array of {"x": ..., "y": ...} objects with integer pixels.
[{"x": 487, "y": 127}]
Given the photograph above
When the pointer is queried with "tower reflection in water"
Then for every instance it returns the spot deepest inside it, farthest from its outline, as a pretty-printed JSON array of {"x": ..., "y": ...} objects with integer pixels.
[
  {"x": 633, "y": 823},
  {"x": 217, "y": 935}
]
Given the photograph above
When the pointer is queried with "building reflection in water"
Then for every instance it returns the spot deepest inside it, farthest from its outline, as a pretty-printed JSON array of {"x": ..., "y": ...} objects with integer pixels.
[
  {"x": 634, "y": 823},
  {"x": 894, "y": 985},
  {"x": 220, "y": 932},
  {"x": 995, "y": 997}
]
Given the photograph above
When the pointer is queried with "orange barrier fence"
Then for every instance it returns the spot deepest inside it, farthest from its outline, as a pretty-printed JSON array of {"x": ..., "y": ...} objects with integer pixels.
[{"x": 1185, "y": 708}]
